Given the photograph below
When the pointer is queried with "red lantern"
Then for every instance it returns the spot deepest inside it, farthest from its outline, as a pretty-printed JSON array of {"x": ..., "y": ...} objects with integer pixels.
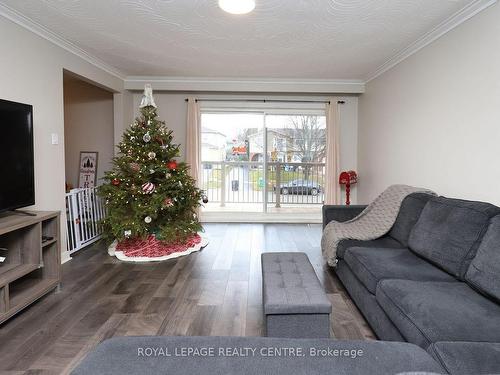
[
  {"x": 347, "y": 178},
  {"x": 172, "y": 165}
]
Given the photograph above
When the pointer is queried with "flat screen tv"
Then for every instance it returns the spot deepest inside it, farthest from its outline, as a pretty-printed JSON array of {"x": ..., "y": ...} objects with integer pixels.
[{"x": 17, "y": 180}]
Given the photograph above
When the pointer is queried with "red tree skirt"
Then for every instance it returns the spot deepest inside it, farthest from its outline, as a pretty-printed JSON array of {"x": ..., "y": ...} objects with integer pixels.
[{"x": 153, "y": 248}]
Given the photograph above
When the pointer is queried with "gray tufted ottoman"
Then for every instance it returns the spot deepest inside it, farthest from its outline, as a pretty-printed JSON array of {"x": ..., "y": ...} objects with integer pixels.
[{"x": 295, "y": 304}]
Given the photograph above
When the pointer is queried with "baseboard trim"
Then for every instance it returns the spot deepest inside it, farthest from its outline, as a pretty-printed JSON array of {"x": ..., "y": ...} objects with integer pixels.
[{"x": 256, "y": 217}]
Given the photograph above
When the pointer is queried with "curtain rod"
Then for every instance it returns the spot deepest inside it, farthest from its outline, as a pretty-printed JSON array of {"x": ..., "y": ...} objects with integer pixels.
[{"x": 266, "y": 101}]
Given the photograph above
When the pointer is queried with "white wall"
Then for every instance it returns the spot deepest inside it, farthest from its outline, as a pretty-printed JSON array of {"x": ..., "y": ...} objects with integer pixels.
[
  {"x": 172, "y": 108},
  {"x": 88, "y": 126},
  {"x": 123, "y": 114},
  {"x": 434, "y": 119},
  {"x": 31, "y": 71}
]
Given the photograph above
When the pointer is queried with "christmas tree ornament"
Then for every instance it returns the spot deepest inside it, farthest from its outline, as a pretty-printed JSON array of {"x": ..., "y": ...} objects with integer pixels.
[
  {"x": 148, "y": 219},
  {"x": 115, "y": 182},
  {"x": 147, "y": 137},
  {"x": 168, "y": 202},
  {"x": 127, "y": 233},
  {"x": 148, "y": 188},
  {"x": 205, "y": 199},
  {"x": 135, "y": 167},
  {"x": 172, "y": 165},
  {"x": 151, "y": 171},
  {"x": 168, "y": 175},
  {"x": 151, "y": 155},
  {"x": 147, "y": 98}
]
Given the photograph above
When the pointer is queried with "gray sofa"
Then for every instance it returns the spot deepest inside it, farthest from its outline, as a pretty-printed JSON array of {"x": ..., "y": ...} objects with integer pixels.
[
  {"x": 433, "y": 280},
  {"x": 254, "y": 355}
]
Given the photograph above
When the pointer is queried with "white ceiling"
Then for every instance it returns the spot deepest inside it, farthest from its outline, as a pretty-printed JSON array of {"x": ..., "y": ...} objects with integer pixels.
[{"x": 297, "y": 39}]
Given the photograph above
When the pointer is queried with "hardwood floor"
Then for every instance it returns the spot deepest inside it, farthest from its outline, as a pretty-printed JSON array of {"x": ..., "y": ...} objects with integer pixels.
[{"x": 214, "y": 292}]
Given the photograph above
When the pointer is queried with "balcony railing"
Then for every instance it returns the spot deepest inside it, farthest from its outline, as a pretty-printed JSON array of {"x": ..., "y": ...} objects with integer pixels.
[{"x": 245, "y": 182}]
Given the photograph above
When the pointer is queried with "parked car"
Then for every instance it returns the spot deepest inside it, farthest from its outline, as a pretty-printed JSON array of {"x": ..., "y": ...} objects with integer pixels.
[{"x": 303, "y": 187}]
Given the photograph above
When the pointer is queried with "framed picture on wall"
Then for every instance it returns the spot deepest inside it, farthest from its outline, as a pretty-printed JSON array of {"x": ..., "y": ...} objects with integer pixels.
[{"x": 87, "y": 169}]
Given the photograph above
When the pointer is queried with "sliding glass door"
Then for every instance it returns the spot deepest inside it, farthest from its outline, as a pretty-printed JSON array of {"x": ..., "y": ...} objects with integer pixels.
[{"x": 263, "y": 161}]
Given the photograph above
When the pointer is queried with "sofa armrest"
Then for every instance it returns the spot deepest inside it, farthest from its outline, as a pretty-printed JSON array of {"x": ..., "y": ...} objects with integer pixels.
[{"x": 340, "y": 213}]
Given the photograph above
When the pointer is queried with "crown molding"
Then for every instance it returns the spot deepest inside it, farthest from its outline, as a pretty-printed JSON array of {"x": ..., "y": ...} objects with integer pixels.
[
  {"x": 449, "y": 24},
  {"x": 315, "y": 86},
  {"x": 52, "y": 37}
]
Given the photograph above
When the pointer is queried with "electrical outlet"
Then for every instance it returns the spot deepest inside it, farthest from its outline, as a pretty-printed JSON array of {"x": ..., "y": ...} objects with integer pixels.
[{"x": 55, "y": 138}]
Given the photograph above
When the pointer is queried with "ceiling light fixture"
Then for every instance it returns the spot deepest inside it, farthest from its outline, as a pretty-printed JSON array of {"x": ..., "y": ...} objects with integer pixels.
[{"x": 237, "y": 6}]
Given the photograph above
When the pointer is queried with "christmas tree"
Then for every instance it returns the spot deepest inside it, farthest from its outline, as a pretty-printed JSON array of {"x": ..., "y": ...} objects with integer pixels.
[{"x": 149, "y": 196}]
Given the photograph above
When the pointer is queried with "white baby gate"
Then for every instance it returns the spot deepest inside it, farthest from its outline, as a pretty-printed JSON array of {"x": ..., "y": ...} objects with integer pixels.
[{"x": 84, "y": 210}]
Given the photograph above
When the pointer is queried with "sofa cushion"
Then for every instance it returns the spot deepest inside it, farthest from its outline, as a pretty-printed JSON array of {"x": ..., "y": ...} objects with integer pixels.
[
  {"x": 410, "y": 211},
  {"x": 372, "y": 265},
  {"x": 367, "y": 303},
  {"x": 449, "y": 231},
  {"x": 484, "y": 270},
  {"x": 427, "y": 312},
  {"x": 386, "y": 241},
  {"x": 466, "y": 358}
]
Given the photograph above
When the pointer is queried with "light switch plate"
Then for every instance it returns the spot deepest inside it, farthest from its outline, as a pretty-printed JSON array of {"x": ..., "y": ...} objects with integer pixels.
[{"x": 55, "y": 138}]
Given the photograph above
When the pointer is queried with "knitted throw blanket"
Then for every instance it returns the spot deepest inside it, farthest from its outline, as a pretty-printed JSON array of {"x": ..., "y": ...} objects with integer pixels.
[{"x": 376, "y": 220}]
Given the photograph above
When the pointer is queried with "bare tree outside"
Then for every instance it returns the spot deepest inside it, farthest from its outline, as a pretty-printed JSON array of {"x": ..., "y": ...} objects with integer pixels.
[
  {"x": 309, "y": 136},
  {"x": 243, "y": 134}
]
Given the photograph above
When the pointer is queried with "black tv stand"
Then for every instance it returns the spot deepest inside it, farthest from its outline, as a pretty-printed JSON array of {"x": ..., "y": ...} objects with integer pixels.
[{"x": 27, "y": 213}]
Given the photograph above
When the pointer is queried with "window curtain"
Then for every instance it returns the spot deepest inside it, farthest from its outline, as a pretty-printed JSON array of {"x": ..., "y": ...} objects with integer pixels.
[
  {"x": 193, "y": 139},
  {"x": 332, "y": 188}
]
